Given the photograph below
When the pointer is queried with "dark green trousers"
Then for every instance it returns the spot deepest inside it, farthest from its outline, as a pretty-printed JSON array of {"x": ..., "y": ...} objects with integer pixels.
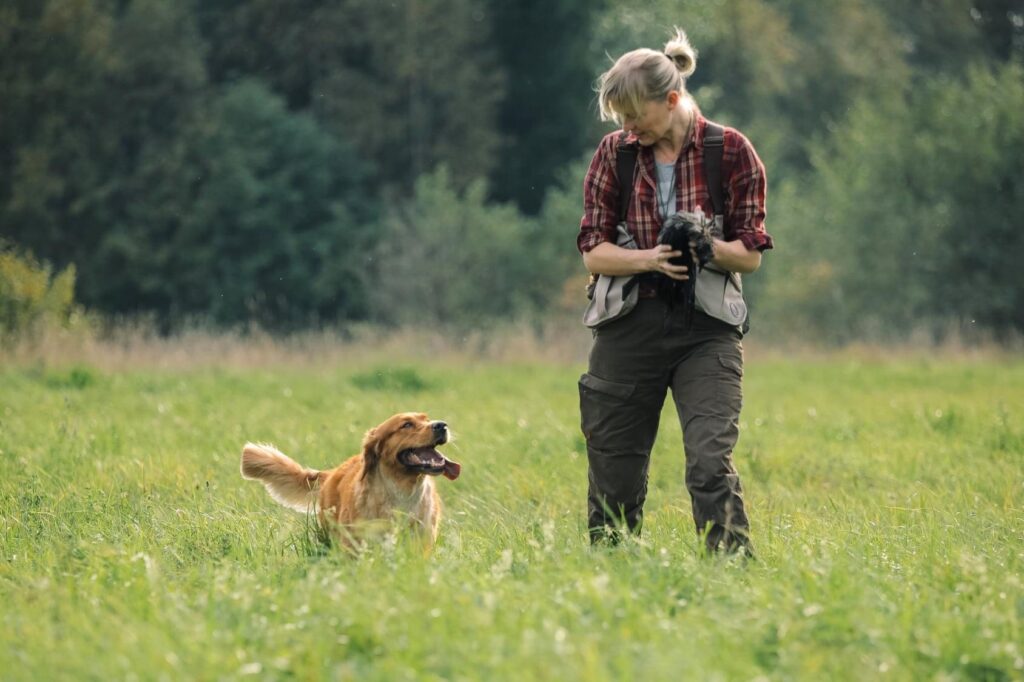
[{"x": 633, "y": 363}]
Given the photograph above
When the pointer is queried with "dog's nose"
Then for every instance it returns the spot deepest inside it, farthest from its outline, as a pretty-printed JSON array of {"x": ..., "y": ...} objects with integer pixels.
[{"x": 440, "y": 427}]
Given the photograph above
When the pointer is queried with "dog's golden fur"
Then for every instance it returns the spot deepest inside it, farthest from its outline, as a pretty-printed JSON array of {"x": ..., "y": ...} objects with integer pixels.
[{"x": 392, "y": 478}]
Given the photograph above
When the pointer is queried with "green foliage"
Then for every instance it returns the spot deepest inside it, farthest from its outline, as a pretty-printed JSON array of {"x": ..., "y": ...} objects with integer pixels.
[
  {"x": 543, "y": 46},
  {"x": 448, "y": 257},
  {"x": 412, "y": 83},
  {"x": 252, "y": 214},
  {"x": 894, "y": 233},
  {"x": 31, "y": 297},
  {"x": 104, "y": 106},
  {"x": 78, "y": 377},
  {"x": 393, "y": 379},
  {"x": 56, "y": 151},
  {"x": 947, "y": 36},
  {"x": 131, "y": 547},
  {"x": 280, "y": 228},
  {"x": 224, "y": 160}
]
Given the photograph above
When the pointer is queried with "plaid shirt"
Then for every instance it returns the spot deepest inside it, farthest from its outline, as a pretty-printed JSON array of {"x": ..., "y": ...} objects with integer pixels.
[{"x": 742, "y": 174}]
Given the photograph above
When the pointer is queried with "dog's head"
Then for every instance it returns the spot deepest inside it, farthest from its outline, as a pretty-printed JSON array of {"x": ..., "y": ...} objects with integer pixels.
[{"x": 405, "y": 446}]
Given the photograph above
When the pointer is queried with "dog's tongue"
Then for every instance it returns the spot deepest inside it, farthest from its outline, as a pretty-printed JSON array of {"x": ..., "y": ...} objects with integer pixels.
[{"x": 451, "y": 469}]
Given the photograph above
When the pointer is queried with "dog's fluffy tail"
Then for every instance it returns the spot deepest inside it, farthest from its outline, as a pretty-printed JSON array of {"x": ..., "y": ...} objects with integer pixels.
[{"x": 287, "y": 481}]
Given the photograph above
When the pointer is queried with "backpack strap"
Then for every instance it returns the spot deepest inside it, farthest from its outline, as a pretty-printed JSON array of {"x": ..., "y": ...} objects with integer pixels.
[
  {"x": 625, "y": 167},
  {"x": 714, "y": 144}
]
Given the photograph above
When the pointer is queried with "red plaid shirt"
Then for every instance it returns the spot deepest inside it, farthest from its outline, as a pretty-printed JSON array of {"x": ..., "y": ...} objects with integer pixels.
[{"x": 742, "y": 175}]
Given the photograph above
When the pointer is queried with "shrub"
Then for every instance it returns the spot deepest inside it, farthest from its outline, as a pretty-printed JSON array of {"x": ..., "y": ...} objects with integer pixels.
[
  {"x": 31, "y": 297},
  {"x": 908, "y": 221},
  {"x": 449, "y": 258}
]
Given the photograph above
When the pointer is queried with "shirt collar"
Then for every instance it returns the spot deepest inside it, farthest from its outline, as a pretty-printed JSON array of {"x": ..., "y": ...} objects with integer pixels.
[{"x": 697, "y": 136}]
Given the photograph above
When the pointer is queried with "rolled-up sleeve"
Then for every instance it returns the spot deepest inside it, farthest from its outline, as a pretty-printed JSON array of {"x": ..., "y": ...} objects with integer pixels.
[
  {"x": 600, "y": 198},
  {"x": 747, "y": 191}
]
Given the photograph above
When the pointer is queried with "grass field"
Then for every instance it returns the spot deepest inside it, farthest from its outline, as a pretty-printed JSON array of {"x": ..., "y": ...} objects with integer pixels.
[{"x": 887, "y": 502}]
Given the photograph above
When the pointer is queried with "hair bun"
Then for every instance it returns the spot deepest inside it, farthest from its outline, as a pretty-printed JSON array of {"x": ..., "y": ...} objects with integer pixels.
[{"x": 679, "y": 50}]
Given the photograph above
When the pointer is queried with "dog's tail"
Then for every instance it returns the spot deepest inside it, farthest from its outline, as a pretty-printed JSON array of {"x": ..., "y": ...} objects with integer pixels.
[{"x": 287, "y": 481}]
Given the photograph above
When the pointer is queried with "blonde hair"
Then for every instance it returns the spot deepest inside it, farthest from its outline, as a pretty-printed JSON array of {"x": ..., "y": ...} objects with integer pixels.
[{"x": 644, "y": 75}]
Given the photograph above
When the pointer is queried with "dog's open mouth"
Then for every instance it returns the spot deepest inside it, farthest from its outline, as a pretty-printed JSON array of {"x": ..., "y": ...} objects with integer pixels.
[{"x": 429, "y": 461}]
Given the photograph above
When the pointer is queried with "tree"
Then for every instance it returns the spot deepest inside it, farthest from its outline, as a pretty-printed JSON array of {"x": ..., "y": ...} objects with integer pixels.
[
  {"x": 98, "y": 93},
  {"x": 413, "y": 83},
  {"x": 544, "y": 117},
  {"x": 279, "y": 223},
  {"x": 902, "y": 226},
  {"x": 56, "y": 152},
  {"x": 449, "y": 258},
  {"x": 947, "y": 36},
  {"x": 267, "y": 40}
]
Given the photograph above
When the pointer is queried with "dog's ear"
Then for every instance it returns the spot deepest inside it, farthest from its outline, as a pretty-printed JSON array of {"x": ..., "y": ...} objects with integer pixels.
[{"x": 371, "y": 452}]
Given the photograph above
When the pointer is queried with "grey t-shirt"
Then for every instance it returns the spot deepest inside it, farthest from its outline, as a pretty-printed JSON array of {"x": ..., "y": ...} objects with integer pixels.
[{"x": 666, "y": 189}]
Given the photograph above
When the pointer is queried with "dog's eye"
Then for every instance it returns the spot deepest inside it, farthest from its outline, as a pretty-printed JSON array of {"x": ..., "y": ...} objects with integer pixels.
[{"x": 407, "y": 425}]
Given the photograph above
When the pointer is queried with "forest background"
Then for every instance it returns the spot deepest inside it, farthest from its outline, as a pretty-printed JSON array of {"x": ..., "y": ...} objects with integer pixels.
[{"x": 325, "y": 163}]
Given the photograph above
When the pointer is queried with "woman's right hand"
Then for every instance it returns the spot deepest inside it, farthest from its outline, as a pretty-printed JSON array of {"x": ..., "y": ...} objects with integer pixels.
[
  {"x": 610, "y": 259},
  {"x": 658, "y": 261}
]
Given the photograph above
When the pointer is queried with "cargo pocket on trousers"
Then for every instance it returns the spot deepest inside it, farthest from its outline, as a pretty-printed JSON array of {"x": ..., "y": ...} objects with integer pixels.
[
  {"x": 732, "y": 364},
  {"x": 602, "y": 406}
]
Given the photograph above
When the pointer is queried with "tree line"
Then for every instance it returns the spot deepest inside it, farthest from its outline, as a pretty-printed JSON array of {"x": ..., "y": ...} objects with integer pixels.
[{"x": 324, "y": 161}]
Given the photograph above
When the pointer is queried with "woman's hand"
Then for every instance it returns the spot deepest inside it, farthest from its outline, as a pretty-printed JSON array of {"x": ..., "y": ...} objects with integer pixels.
[
  {"x": 610, "y": 259},
  {"x": 659, "y": 262}
]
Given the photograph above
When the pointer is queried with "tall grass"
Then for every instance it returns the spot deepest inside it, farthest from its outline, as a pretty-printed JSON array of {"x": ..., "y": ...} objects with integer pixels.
[{"x": 886, "y": 498}]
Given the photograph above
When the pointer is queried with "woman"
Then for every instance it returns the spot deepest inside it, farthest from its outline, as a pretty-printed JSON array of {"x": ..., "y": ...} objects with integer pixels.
[{"x": 660, "y": 345}]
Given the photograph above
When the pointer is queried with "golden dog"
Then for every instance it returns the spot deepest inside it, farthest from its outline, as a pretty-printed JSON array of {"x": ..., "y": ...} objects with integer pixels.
[{"x": 391, "y": 477}]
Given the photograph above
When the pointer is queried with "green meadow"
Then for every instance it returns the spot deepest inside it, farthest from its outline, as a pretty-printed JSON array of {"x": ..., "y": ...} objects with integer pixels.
[{"x": 886, "y": 497}]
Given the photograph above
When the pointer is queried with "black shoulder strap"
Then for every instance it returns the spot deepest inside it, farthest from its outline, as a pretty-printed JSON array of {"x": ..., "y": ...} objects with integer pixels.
[
  {"x": 714, "y": 142},
  {"x": 625, "y": 166}
]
